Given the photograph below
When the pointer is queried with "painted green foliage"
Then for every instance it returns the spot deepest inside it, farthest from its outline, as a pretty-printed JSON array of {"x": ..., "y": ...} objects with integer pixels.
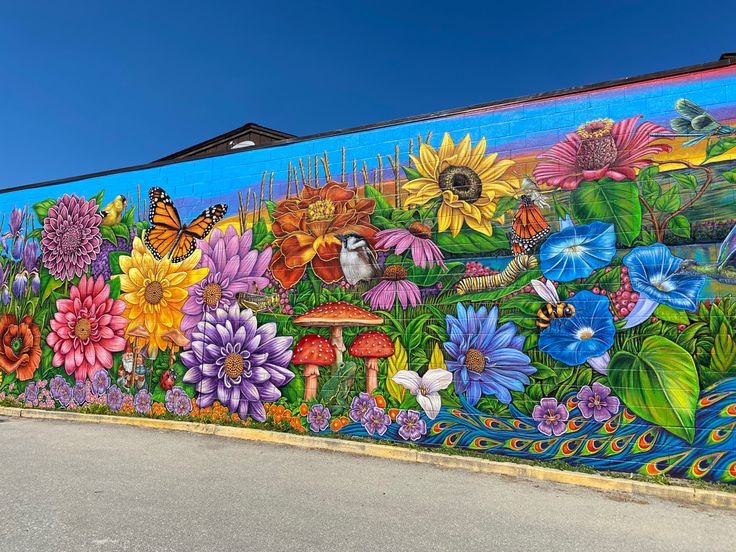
[{"x": 455, "y": 303}]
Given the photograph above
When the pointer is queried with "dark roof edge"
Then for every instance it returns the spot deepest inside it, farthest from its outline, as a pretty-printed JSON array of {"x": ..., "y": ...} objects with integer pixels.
[
  {"x": 416, "y": 118},
  {"x": 224, "y": 136}
]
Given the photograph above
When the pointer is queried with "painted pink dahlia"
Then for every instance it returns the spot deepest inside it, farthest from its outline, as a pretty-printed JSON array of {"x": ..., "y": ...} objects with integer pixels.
[
  {"x": 87, "y": 328},
  {"x": 418, "y": 238},
  {"x": 70, "y": 239},
  {"x": 600, "y": 149}
]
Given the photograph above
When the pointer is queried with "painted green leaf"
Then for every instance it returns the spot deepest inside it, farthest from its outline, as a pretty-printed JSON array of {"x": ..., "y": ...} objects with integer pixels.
[
  {"x": 470, "y": 242},
  {"x": 647, "y": 238},
  {"x": 686, "y": 180},
  {"x": 35, "y": 234},
  {"x": 659, "y": 384},
  {"x": 411, "y": 174},
  {"x": 719, "y": 147},
  {"x": 294, "y": 390},
  {"x": 665, "y": 312},
  {"x": 609, "y": 201},
  {"x": 108, "y": 234},
  {"x": 647, "y": 173},
  {"x": 560, "y": 210},
  {"x": 49, "y": 284},
  {"x": 723, "y": 357},
  {"x": 669, "y": 201},
  {"x": 42, "y": 209},
  {"x": 397, "y": 361},
  {"x": 114, "y": 287},
  {"x": 121, "y": 231},
  {"x": 504, "y": 204},
  {"x": 114, "y": 258},
  {"x": 430, "y": 276},
  {"x": 651, "y": 190},
  {"x": 382, "y": 205},
  {"x": 98, "y": 199},
  {"x": 128, "y": 218},
  {"x": 679, "y": 226}
]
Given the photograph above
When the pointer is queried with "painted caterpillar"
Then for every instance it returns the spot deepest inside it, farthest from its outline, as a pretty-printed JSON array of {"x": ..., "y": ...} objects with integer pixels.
[{"x": 516, "y": 267}]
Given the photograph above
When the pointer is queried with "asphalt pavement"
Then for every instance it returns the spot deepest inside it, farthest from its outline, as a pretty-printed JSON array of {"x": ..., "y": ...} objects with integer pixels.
[{"x": 79, "y": 487}]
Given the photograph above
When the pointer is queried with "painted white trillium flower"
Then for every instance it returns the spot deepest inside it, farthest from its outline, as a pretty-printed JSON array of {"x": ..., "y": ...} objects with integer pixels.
[{"x": 425, "y": 388}]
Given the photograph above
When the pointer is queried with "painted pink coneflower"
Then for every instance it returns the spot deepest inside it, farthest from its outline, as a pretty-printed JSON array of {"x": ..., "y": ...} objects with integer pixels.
[
  {"x": 599, "y": 149},
  {"x": 418, "y": 238},
  {"x": 393, "y": 285}
]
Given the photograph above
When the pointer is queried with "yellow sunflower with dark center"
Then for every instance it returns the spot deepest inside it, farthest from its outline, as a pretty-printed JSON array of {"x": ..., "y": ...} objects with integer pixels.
[
  {"x": 469, "y": 183},
  {"x": 155, "y": 291}
]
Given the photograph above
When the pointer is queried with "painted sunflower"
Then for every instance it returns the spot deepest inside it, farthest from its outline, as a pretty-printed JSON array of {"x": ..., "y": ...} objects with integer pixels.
[
  {"x": 155, "y": 291},
  {"x": 468, "y": 181}
]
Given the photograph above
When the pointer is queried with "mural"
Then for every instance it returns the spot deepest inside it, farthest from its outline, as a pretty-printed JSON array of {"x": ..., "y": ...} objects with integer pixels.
[{"x": 572, "y": 300}]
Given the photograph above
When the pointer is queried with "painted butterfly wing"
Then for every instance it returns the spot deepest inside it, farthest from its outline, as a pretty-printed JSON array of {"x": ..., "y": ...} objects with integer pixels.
[
  {"x": 198, "y": 229},
  {"x": 528, "y": 228},
  {"x": 161, "y": 237}
]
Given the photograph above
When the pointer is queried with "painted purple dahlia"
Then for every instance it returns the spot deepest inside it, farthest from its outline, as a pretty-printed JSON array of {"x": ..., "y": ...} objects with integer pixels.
[
  {"x": 411, "y": 425},
  {"x": 237, "y": 362},
  {"x": 596, "y": 402},
  {"x": 234, "y": 268},
  {"x": 376, "y": 421},
  {"x": 100, "y": 382},
  {"x": 318, "y": 418},
  {"x": 360, "y": 406},
  {"x": 70, "y": 239},
  {"x": 177, "y": 402}
]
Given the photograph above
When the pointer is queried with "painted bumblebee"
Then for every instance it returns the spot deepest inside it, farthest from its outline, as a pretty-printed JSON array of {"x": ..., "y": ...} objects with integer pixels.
[{"x": 554, "y": 307}]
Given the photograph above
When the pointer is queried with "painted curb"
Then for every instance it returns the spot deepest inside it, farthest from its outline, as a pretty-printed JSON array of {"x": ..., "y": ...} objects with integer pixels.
[{"x": 682, "y": 494}]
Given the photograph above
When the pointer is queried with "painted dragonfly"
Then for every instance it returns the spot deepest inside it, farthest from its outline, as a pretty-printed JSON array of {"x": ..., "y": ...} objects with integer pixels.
[
  {"x": 696, "y": 122},
  {"x": 723, "y": 270}
]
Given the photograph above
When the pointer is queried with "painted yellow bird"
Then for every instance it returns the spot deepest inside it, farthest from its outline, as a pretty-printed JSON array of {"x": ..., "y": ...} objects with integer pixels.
[{"x": 113, "y": 211}]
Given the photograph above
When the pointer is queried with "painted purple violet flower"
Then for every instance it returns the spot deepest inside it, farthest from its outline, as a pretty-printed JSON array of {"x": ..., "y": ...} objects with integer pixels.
[
  {"x": 17, "y": 250},
  {"x": 30, "y": 255},
  {"x": 418, "y": 238},
  {"x": 79, "y": 392},
  {"x": 177, "y": 402},
  {"x": 65, "y": 394},
  {"x": 142, "y": 401},
  {"x": 55, "y": 385},
  {"x": 376, "y": 421},
  {"x": 393, "y": 285},
  {"x": 233, "y": 268},
  {"x": 100, "y": 382},
  {"x": 411, "y": 425},
  {"x": 318, "y": 418},
  {"x": 597, "y": 402},
  {"x": 20, "y": 284},
  {"x": 31, "y": 392},
  {"x": 17, "y": 217},
  {"x": 70, "y": 239},
  {"x": 237, "y": 362},
  {"x": 551, "y": 416},
  {"x": 115, "y": 398},
  {"x": 485, "y": 359},
  {"x": 5, "y": 295},
  {"x": 360, "y": 406}
]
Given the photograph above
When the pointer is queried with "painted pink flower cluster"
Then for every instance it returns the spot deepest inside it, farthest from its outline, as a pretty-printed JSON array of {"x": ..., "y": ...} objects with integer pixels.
[{"x": 87, "y": 328}]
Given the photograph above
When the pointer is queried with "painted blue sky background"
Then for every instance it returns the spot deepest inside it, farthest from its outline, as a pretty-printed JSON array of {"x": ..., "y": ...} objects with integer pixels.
[{"x": 89, "y": 87}]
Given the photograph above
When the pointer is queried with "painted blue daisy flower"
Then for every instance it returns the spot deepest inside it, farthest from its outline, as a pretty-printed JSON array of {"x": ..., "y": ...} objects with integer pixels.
[
  {"x": 485, "y": 359},
  {"x": 653, "y": 271},
  {"x": 576, "y": 251},
  {"x": 586, "y": 335}
]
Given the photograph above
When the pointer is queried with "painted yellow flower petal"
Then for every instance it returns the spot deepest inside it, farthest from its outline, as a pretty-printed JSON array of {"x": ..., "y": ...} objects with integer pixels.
[
  {"x": 495, "y": 171},
  {"x": 428, "y": 161},
  {"x": 462, "y": 152},
  {"x": 476, "y": 155},
  {"x": 447, "y": 148},
  {"x": 444, "y": 215},
  {"x": 484, "y": 226},
  {"x": 413, "y": 186}
]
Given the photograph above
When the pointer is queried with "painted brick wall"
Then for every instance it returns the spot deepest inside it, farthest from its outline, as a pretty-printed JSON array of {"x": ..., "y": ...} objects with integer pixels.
[{"x": 549, "y": 279}]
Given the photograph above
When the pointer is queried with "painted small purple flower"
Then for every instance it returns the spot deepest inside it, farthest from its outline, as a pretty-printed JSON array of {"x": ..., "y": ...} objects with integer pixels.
[
  {"x": 551, "y": 416},
  {"x": 79, "y": 393},
  {"x": 319, "y": 418},
  {"x": 70, "y": 238},
  {"x": 411, "y": 425},
  {"x": 114, "y": 398},
  {"x": 418, "y": 238},
  {"x": 65, "y": 394},
  {"x": 177, "y": 402},
  {"x": 142, "y": 402},
  {"x": 35, "y": 283},
  {"x": 597, "y": 403},
  {"x": 31, "y": 392},
  {"x": 360, "y": 406},
  {"x": 20, "y": 283},
  {"x": 5, "y": 295},
  {"x": 100, "y": 382},
  {"x": 30, "y": 255},
  {"x": 376, "y": 421},
  {"x": 17, "y": 216},
  {"x": 55, "y": 385},
  {"x": 394, "y": 285},
  {"x": 17, "y": 250}
]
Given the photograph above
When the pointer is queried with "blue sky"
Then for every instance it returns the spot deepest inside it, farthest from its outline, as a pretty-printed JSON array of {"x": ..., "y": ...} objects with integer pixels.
[{"x": 88, "y": 87}]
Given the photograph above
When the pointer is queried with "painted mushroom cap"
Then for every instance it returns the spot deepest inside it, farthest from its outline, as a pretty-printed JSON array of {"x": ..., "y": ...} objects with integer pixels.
[
  {"x": 337, "y": 313},
  {"x": 372, "y": 344},
  {"x": 176, "y": 337},
  {"x": 313, "y": 349},
  {"x": 139, "y": 331}
]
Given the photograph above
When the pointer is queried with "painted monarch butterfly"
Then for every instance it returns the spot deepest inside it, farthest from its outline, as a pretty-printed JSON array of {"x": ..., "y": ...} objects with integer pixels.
[
  {"x": 529, "y": 227},
  {"x": 167, "y": 237},
  {"x": 516, "y": 267}
]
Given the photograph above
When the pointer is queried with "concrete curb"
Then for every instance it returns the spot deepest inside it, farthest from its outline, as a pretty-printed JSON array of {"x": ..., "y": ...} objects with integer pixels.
[{"x": 682, "y": 494}]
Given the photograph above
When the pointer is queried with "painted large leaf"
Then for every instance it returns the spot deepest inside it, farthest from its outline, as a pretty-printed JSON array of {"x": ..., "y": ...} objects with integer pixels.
[
  {"x": 396, "y": 362},
  {"x": 659, "y": 384},
  {"x": 470, "y": 242},
  {"x": 609, "y": 201},
  {"x": 722, "y": 357}
]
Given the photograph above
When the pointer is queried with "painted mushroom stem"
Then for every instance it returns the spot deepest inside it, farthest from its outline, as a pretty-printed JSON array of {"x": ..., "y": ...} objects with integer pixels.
[{"x": 371, "y": 346}]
